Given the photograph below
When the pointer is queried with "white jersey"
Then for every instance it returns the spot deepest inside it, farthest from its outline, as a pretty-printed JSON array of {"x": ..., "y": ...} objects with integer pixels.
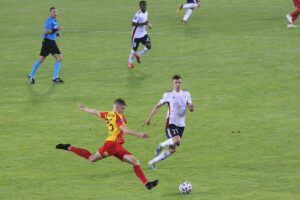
[
  {"x": 177, "y": 102},
  {"x": 139, "y": 31}
]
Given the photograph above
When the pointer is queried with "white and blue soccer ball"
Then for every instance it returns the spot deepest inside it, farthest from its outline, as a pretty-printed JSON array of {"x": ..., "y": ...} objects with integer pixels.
[{"x": 185, "y": 187}]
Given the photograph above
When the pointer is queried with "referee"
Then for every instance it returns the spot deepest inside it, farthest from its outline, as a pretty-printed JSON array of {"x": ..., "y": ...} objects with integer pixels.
[{"x": 49, "y": 46}]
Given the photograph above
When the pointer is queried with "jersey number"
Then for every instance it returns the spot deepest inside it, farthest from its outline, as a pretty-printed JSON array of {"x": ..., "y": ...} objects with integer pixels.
[{"x": 109, "y": 125}]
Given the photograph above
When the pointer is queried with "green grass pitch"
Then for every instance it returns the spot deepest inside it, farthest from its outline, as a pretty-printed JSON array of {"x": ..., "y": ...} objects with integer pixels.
[{"x": 237, "y": 58}]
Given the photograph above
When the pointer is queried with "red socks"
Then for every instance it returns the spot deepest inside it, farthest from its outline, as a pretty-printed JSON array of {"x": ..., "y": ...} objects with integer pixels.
[
  {"x": 295, "y": 14},
  {"x": 86, "y": 154},
  {"x": 81, "y": 152},
  {"x": 140, "y": 174}
]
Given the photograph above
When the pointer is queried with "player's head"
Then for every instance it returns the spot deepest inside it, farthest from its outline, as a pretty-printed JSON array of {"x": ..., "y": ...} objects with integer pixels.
[
  {"x": 143, "y": 6},
  {"x": 176, "y": 80},
  {"x": 53, "y": 11},
  {"x": 119, "y": 105}
]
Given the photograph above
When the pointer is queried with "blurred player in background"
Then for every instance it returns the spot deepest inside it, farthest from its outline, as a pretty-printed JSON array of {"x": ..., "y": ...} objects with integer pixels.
[
  {"x": 117, "y": 126},
  {"x": 189, "y": 6},
  {"x": 293, "y": 15},
  {"x": 178, "y": 100},
  {"x": 49, "y": 46},
  {"x": 139, "y": 34}
]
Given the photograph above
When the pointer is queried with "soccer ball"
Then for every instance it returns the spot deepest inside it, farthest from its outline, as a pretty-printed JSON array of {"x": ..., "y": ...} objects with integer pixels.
[{"x": 185, "y": 187}]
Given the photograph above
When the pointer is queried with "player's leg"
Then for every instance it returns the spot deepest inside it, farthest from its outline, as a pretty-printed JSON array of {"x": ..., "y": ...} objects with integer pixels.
[
  {"x": 34, "y": 68},
  {"x": 174, "y": 135},
  {"x": 189, "y": 6},
  {"x": 292, "y": 18},
  {"x": 117, "y": 150},
  {"x": 95, "y": 157},
  {"x": 80, "y": 152},
  {"x": 171, "y": 142},
  {"x": 128, "y": 158},
  {"x": 187, "y": 15},
  {"x": 134, "y": 47},
  {"x": 56, "y": 78},
  {"x": 189, "y": 9},
  {"x": 146, "y": 41},
  {"x": 180, "y": 7},
  {"x": 293, "y": 15},
  {"x": 45, "y": 51},
  {"x": 58, "y": 57}
]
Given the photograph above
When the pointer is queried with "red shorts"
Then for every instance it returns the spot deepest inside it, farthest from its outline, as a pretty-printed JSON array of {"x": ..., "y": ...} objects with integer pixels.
[
  {"x": 297, "y": 3},
  {"x": 110, "y": 148}
]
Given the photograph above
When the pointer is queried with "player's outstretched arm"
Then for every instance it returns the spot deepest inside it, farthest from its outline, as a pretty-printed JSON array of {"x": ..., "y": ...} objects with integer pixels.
[
  {"x": 126, "y": 130},
  {"x": 153, "y": 112},
  {"x": 89, "y": 110}
]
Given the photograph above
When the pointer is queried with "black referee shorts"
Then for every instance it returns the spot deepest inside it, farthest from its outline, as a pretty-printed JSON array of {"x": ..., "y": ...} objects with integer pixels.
[{"x": 49, "y": 46}]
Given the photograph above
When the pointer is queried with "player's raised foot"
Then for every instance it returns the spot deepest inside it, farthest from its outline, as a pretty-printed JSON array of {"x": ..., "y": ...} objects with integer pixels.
[
  {"x": 158, "y": 150},
  {"x": 63, "y": 146},
  {"x": 31, "y": 79},
  {"x": 151, "y": 184},
  {"x": 138, "y": 57},
  {"x": 57, "y": 80},
  {"x": 184, "y": 22},
  {"x": 289, "y": 18},
  {"x": 152, "y": 165},
  {"x": 291, "y": 26},
  {"x": 130, "y": 65},
  {"x": 179, "y": 7}
]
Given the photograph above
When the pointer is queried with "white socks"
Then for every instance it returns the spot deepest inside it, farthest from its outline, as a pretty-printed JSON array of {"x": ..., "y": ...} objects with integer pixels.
[
  {"x": 144, "y": 50},
  {"x": 161, "y": 156},
  {"x": 187, "y": 14},
  {"x": 168, "y": 142},
  {"x": 131, "y": 56}
]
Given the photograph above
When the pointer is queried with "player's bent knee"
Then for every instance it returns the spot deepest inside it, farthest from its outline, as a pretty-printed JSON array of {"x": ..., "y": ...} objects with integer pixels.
[
  {"x": 42, "y": 59},
  {"x": 135, "y": 161},
  {"x": 92, "y": 159},
  {"x": 60, "y": 58},
  {"x": 131, "y": 159},
  {"x": 176, "y": 140},
  {"x": 172, "y": 150},
  {"x": 148, "y": 46}
]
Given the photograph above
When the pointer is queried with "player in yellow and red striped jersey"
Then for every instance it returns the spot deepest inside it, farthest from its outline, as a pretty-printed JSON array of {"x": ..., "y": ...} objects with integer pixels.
[{"x": 117, "y": 126}]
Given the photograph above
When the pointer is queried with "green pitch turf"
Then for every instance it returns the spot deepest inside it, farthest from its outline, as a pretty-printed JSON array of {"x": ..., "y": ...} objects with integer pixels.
[{"x": 237, "y": 58}]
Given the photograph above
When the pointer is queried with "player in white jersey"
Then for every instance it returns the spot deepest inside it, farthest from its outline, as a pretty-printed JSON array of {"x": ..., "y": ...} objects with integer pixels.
[
  {"x": 139, "y": 34},
  {"x": 189, "y": 6},
  {"x": 178, "y": 101}
]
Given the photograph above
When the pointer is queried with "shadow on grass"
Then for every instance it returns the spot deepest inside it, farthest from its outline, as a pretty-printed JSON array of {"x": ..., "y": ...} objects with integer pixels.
[
  {"x": 194, "y": 195},
  {"x": 135, "y": 76},
  {"x": 37, "y": 95}
]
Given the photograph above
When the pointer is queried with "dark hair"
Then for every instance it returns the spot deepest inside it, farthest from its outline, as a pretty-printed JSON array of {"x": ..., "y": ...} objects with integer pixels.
[
  {"x": 142, "y": 2},
  {"x": 52, "y": 8},
  {"x": 120, "y": 101},
  {"x": 176, "y": 77}
]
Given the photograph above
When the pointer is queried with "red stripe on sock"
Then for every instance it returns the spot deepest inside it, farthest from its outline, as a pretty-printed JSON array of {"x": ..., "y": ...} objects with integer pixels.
[
  {"x": 80, "y": 152},
  {"x": 140, "y": 174}
]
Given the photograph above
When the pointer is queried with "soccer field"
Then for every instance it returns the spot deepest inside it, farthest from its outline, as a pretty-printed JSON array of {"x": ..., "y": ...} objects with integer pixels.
[{"x": 237, "y": 59}]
